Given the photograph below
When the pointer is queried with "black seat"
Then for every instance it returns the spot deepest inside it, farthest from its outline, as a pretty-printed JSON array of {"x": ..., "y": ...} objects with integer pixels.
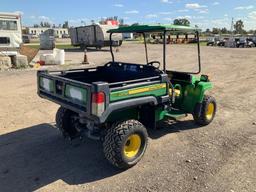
[{"x": 179, "y": 76}]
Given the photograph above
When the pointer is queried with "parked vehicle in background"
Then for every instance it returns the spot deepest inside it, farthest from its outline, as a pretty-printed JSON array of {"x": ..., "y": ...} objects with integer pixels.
[
  {"x": 250, "y": 42},
  {"x": 10, "y": 31},
  {"x": 192, "y": 40},
  {"x": 254, "y": 39},
  {"x": 65, "y": 36},
  {"x": 232, "y": 41},
  {"x": 222, "y": 42},
  {"x": 33, "y": 36},
  {"x": 128, "y": 36},
  {"x": 216, "y": 41},
  {"x": 25, "y": 38},
  {"x": 94, "y": 36},
  {"x": 212, "y": 41},
  {"x": 240, "y": 42}
]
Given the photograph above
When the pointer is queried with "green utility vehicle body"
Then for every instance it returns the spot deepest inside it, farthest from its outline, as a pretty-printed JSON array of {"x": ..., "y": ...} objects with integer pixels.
[
  {"x": 122, "y": 99},
  {"x": 133, "y": 95}
]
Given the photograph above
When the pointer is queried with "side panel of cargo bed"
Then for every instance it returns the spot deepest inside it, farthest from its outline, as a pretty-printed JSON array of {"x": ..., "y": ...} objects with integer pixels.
[
  {"x": 156, "y": 90},
  {"x": 71, "y": 94}
]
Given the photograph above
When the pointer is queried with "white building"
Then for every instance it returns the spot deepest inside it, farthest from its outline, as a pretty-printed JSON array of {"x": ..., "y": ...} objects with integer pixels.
[{"x": 37, "y": 31}]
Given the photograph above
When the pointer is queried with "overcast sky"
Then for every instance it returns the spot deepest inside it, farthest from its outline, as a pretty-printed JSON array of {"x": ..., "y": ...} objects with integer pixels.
[{"x": 204, "y": 13}]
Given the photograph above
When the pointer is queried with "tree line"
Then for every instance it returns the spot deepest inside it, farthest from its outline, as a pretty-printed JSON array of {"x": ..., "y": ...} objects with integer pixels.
[
  {"x": 238, "y": 27},
  {"x": 49, "y": 25}
]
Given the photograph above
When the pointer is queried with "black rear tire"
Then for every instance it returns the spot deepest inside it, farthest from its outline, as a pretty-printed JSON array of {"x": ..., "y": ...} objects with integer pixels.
[
  {"x": 204, "y": 113},
  {"x": 65, "y": 122},
  {"x": 118, "y": 140}
]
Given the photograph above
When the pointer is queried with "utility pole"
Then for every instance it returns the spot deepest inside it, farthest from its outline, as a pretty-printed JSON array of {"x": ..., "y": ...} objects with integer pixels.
[
  {"x": 232, "y": 27},
  {"x": 232, "y": 34}
]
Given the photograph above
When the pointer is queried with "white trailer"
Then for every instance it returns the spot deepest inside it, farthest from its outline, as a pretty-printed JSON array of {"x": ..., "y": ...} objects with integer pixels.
[
  {"x": 93, "y": 36},
  {"x": 10, "y": 31}
]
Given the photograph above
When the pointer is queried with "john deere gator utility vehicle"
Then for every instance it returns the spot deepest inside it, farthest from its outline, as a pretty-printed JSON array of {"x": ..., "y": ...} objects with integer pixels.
[{"x": 118, "y": 102}]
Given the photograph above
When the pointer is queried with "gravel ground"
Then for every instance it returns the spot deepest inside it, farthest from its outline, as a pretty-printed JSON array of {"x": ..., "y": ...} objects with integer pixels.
[{"x": 181, "y": 156}]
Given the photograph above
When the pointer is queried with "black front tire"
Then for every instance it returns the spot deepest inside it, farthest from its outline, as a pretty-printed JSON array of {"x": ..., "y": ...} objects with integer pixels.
[
  {"x": 116, "y": 139},
  {"x": 65, "y": 122},
  {"x": 201, "y": 113}
]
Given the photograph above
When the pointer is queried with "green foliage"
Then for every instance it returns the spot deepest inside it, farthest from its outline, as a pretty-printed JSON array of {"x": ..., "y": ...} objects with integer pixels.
[
  {"x": 215, "y": 30},
  {"x": 224, "y": 30},
  {"x": 135, "y": 24},
  {"x": 65, "y": 25},
  {"x": 239, "y": 27},
  {"x": 60, "y": 46},
  {"x": 45, "y": 24},
  {"x": 252, "y": 32},
  {"x": 208, "y": 31},
  {"x": 183, "y": 21}
]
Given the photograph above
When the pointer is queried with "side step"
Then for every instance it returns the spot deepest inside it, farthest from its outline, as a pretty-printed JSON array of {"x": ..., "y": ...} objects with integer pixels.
[{"x": 176, "y": 114}]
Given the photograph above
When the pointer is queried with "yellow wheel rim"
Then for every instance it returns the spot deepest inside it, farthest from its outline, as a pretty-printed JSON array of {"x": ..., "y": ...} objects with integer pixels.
[
  {"x": 132, "y": 146},
  {"x": 210, "y": 111}
]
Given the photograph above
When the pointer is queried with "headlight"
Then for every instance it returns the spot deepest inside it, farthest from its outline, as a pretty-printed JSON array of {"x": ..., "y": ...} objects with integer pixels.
[{"x": 46, "y": 84}]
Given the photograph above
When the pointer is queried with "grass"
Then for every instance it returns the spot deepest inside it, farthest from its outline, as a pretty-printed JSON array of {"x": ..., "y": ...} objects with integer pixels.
[
  {"x": 65, "y": 46},
  {"x": 201, "y": 43},
  {"x": 59, "y": 46},
  {"x": 69, "y": 46}
]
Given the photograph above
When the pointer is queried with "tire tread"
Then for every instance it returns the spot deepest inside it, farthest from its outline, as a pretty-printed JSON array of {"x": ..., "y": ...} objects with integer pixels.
[{"x": 114, "y": 139}]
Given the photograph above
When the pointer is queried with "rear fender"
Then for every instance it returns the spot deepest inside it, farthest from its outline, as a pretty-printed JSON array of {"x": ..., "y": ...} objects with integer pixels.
[
  {"x": 126, "y": 108},
  {"x": 145, "y": 114},
  {"x": 122, "y": 115}
]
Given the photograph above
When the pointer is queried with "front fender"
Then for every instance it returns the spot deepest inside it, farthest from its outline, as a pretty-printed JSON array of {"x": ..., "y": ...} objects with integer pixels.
[
  {"x": 194, "y": 94},
  {"x": 203, "y": 87}
]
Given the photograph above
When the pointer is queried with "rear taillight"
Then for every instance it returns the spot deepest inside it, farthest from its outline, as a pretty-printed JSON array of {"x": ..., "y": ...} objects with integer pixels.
[{"x": 98, "y": 103}]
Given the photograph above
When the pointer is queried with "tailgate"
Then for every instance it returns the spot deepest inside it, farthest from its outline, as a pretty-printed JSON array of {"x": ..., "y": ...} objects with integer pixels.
[{"x": 69, "y": 93}]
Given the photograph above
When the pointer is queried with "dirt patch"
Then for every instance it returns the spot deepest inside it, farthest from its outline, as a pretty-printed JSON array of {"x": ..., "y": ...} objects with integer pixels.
[{"x": 29, "y": 52}]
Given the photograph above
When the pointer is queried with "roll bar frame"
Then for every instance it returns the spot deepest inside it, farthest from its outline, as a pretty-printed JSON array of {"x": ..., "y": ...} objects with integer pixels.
[{"x": 164, "y": 51}]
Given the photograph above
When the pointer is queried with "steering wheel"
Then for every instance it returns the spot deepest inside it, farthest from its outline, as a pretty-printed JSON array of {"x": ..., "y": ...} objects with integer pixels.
[{"x": 152, "y": 64}]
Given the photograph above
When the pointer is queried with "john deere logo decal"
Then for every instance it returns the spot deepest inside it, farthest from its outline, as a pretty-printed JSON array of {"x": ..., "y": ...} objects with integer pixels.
[{"x": 139, "y": 90}]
